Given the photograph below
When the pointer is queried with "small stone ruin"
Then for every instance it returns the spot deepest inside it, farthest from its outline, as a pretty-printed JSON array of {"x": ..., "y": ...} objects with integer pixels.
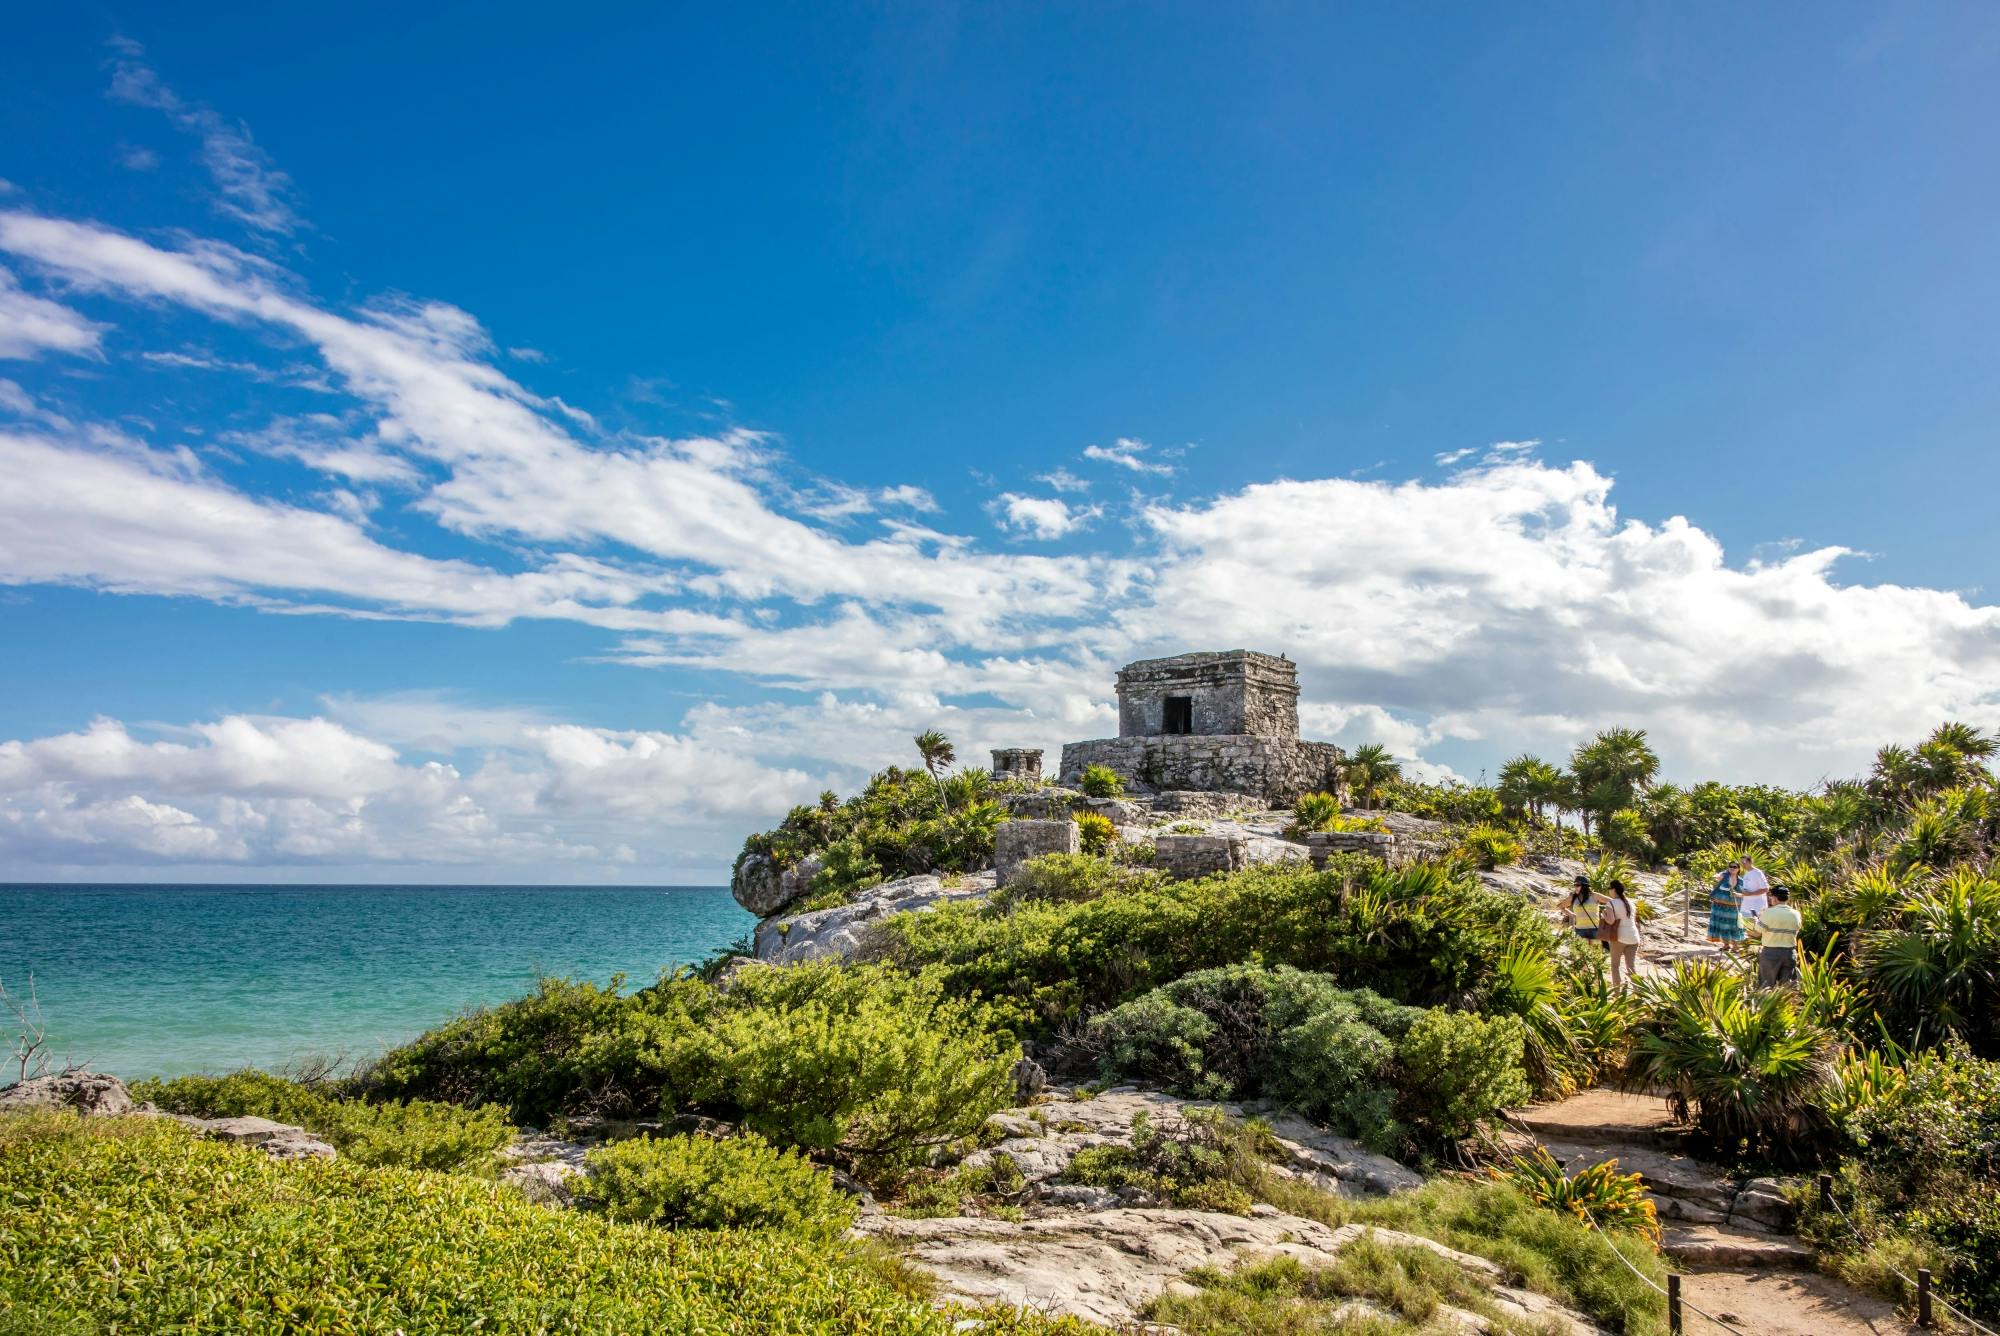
[
  {"x": 1022, "y": 763},
  {"x": 1223, "y": 722}
]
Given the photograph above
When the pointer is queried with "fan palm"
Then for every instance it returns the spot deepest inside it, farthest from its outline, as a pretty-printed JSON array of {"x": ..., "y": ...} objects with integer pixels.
[
  {"x": 1613, "y": 769},
  {"x": 1937, "y": 966},
  {"x": 1746, "y": 1064},
  {"x": 937, "y": 753},
  {"x": 1368, "y": 769},
  {"x": 1526, "y": 985}
]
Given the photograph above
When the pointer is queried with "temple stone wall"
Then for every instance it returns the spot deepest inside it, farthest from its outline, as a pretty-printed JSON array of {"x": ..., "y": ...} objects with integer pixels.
[
  {"x": 1235, "y": 692},
  {"x": 1022, "y": 763},
  {"x": 1274, "y": 770}
]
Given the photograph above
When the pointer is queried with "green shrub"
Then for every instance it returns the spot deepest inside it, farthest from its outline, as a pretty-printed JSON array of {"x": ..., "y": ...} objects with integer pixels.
[
  {"x": 866, "y": 1064},
  {"x": 1070, "y": 878},
  {"x": 1354, "y": 1060},
  {"x": 904, "y": 822},
  {"x": 1419, "y": 934},
  {"x": 130, "y": 1225},
  {"x": 1101, "y": 781},
  {"x": 1095, "y": 832},
  {"x": 981, "y": 1189},
  {"x": 1458, "y": 1070},
  {"x": 419, "y": 1134},
  {"x": 1489, "y": 847},
  {"x": 1203, "y": 1161},
  {"x": 716, "y": 1183}
]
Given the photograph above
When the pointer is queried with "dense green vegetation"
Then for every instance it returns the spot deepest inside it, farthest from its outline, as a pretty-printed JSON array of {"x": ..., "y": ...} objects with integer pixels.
[
  {"x": 1352, "y": 1060},
  {"x": 1422, "y": 935},
  {"x": 136, "y": 1225},
  {"x": 866, "y": 1067}
]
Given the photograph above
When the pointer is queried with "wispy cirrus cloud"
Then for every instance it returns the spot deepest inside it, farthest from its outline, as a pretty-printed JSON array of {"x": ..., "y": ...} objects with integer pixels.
[
  {"x": 1127, "y": 453},
  {"x": 31, "y": 325},
  {"x": 248, "y": 187}
]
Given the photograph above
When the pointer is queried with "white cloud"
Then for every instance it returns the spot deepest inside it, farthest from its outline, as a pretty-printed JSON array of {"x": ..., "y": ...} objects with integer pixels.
[
  {"x": 137, "y": 158},
  {"x": 585, "y": 803},
  {"x": 249, "y": 188},
  {"x": 31, "y": 325},
  {"x": 1126, "y": 454},
  {"x": 1042, "y": 516},
  {"x": 1062, "y": 480}
]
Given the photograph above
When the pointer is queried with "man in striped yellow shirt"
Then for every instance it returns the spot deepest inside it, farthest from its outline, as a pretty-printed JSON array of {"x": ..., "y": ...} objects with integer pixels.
[{"x": 1779, "y": 926}]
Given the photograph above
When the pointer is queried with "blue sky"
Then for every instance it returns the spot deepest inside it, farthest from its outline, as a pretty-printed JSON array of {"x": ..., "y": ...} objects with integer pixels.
[{"x": 468, "y": 444}]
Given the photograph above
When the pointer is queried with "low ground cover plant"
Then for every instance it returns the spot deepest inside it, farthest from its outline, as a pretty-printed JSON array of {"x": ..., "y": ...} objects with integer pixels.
[
  {"x": 701, "y": 1182},
  {"x": 139, "y": 1225},
  {"x": 413, "y": 1134}
]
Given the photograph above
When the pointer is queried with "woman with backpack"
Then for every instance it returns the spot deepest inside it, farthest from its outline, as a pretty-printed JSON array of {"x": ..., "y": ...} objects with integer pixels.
[{"x": 1618, "y": 929}]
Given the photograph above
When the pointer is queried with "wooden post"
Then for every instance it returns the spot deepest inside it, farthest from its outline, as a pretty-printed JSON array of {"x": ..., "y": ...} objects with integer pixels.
[
  {"x": 1826, "y": 1192},
  {"x": 1674, "y": 1304},
  {"x": 1923, "y": 1297}
]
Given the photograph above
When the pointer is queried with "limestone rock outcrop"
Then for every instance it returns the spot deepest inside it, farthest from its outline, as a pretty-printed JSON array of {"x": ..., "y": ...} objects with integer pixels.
[
  {"x": 838, "y": 933},
  {"x": 92, "y": 1093}
]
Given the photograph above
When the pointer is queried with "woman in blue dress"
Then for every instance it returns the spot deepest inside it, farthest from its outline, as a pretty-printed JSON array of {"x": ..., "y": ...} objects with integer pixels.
[{"x": 1725, "y": 924}]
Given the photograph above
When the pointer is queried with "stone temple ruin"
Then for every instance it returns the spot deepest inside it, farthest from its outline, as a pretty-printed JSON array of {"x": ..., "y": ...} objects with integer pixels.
[{"x": 1218, "y": 722}]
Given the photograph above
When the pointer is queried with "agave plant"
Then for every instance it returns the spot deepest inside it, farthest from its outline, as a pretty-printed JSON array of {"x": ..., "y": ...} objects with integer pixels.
[
  {"x": 1744, "y": 1064},
  {"x": 1598, "y": 1195},
  {"x": 1526, "y": 985},
  {"x": 1937, "y": 964}
]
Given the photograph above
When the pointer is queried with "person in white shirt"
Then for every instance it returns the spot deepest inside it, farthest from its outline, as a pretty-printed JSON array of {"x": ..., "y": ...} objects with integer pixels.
[
  {"x": 1618, "y": 924},
  {"x": 1754, "y": 887}
]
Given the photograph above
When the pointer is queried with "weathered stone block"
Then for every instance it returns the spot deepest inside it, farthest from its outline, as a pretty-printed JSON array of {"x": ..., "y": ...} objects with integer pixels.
[
  {"x": 1184, "y": 857},
  {"x": 1015, "y": 842},
  {"x": 1022, "y": 763},
  {"x": 1322, "y": 843}
]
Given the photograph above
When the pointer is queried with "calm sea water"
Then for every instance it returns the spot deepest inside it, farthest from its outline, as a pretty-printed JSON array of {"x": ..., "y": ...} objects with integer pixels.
[{"x": 163, "y": 980}]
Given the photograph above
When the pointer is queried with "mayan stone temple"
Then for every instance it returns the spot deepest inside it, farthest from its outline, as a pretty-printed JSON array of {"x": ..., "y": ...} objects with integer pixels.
[{"x": 1223, "y": 722}]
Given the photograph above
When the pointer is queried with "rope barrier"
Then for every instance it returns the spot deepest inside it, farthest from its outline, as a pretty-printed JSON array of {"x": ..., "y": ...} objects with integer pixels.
[
  {"x": 1826, "y": 1196},
  {"x": 1612, "y": 1244}
]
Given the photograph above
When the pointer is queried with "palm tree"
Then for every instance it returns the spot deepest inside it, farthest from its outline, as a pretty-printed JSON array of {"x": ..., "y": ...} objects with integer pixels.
[
  {"x": 1530, "y": 784},
  {"x": 1613, "y": 769},
  {"x": 937, "y": 751},
  {"x": 1938, "y": 963},
  {"x": 1368, "y": 770},
  {"x": 1969, "y": 742}
]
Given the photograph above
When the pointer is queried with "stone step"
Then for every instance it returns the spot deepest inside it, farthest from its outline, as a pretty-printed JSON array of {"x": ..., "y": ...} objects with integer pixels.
[
  {"x": 1603, "y": 1115},
  {"x": 1664, "y": 1173},
  {"x": 1706, "y": 1247}
]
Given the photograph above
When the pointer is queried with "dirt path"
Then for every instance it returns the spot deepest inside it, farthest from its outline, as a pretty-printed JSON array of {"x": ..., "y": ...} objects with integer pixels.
[
  {"x": 1737, "y": 1261},
  {"x": 1786, "y": 1303}
]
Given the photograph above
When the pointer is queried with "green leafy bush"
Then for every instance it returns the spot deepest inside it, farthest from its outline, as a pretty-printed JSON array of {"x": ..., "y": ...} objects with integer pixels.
[
  {"x": 869, "y": 1065},
  {"x": 1748, "y": 1064},
  {"x": 1419, "y": 934},
  {"x": 1069, "y": 878},
  {"x": 1203, "y": 1161},
  {"x": 904, "y": 822},
  {"x": 1101, "y": 781},
  {"x": 1313, "y": 811},
  {"x": 1354, "y": 1060},
  {"x": 716, "y": 1183},
  {"x": 1489, "y": 847},
  {"x": 1095, "y": 831},
  {"x": 419, "y": 1134},
  {"x": 133, "y": 1225}
]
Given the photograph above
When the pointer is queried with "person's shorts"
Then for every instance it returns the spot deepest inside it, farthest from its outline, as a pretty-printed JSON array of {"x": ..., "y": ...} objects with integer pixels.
[
  {"x": 1777, "y": 965},
  {"x": 1588, "y": 934}
]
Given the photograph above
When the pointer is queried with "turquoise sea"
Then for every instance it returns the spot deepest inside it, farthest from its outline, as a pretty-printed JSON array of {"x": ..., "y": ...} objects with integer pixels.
[{"x": 163, "y": 980}]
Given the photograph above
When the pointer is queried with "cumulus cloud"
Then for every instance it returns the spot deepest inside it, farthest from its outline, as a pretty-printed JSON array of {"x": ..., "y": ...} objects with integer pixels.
[
  {"x": 1042, "y": 516},
  {"x": 534, "y": 797},
  {"x": 1126, "y": 453},
  {"x": 31, "y": 325},
  {"x": 249, "y": 188}
]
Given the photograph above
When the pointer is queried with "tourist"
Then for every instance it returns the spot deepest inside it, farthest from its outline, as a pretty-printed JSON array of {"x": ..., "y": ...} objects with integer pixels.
[
  {"x": 1778, "y": 962},
  {"x": 1583, "y": 907},
  {"x": 1754, "y": 888},
  {"x": 1618, "y": 926},
  {"x": 1725, "y": 924}
]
